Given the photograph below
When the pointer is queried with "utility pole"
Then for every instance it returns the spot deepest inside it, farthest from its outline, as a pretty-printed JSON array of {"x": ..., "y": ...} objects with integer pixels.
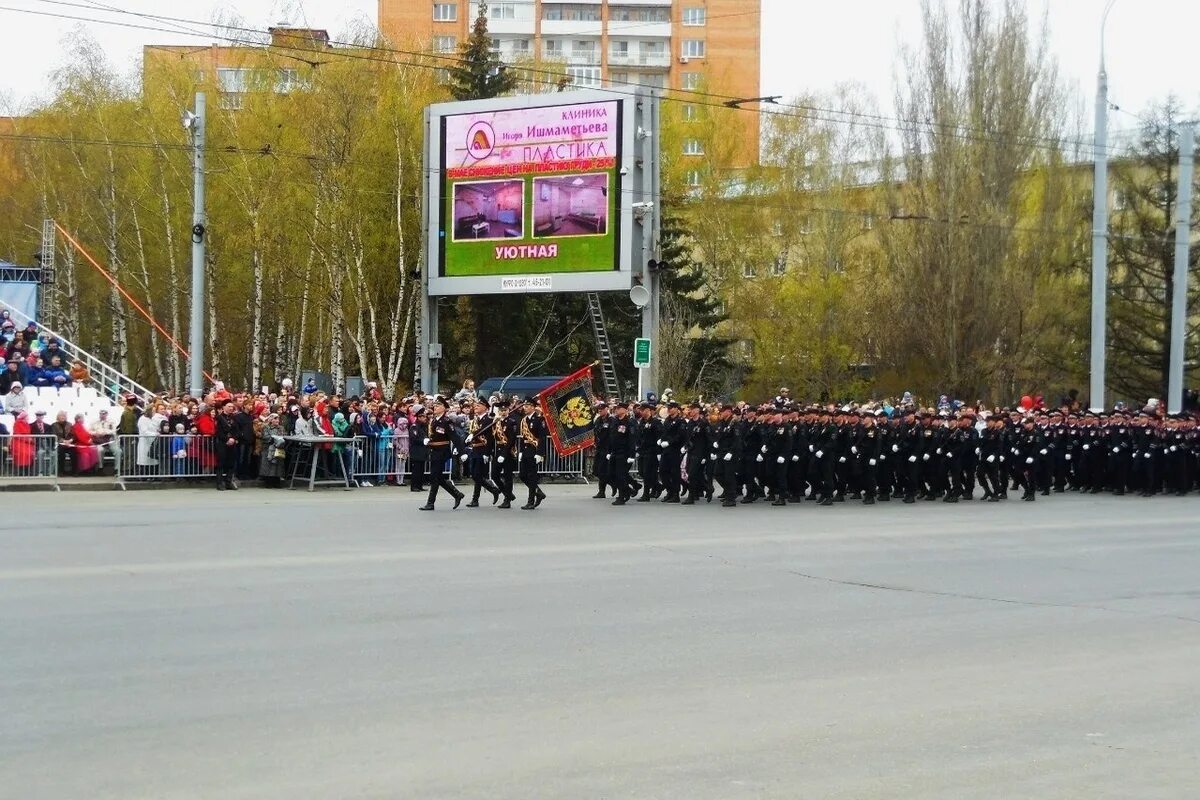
[
  {"x": 1179, "y": 288},
  {"x": 197, "y": 124},
  {"x": 1100, "y": 231}
]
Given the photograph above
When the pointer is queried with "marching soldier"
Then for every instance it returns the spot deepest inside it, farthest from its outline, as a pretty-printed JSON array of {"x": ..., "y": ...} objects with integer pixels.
[
  {"x": 727, "y": 452},
  {"x": 441, "y": 444},
  {"x": 671, "y": 443},
  {"x": 531, "y": 441},
  {"x": 481, "y": 443},
  {"x": 648, "y": 445},
  {"x": 504, "y": 456},
  {"x": 601, "y": 467},
  {"x": 621, "y": 454},
  {"x": 695, "y": 451}
]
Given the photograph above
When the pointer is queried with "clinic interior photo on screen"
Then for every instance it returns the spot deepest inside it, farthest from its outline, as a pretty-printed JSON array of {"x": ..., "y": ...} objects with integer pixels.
[
  {"x": 489, "y": 210},
  {"x": 571, "y": 205}
]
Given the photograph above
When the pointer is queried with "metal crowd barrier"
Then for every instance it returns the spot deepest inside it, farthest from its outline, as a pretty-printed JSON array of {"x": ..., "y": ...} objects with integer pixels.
[
  {"x": 375, "y": 463},
  {"x": 29, "y": 458},
  {"x": 165, "y": 457}
]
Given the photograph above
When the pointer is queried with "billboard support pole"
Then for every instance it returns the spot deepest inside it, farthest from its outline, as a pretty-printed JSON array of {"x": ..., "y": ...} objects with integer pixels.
[
  {"x": 426, "y": 373},
  {"x": 649, "y": 129}
]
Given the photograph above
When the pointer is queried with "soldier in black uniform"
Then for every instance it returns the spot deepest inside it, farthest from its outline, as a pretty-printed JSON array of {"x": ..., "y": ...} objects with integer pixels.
[
  {"x": 621, "y": 454},
  {"x": 648, "y": 439},
  {"x": 439, "y": 439},
  {"x": 531, "y": 440},
  {"x": 481, "y": 443},
  {"x": 751, "y": 435},
  {"x": 727, "y": 450},
  {"x": 869, "y": 448},
  {"x": 670, "y": 444},
  {"x": 695, "y": 451},
  {"x": 601, "y": 467},
  {"x": 1029, "y": 446},
  {"x": 778, "y": 442},
  {"x": 504, "y": 457}
]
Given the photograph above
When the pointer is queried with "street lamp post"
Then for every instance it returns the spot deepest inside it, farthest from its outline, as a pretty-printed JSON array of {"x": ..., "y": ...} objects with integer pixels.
[{"x": 1100, "y": 229}]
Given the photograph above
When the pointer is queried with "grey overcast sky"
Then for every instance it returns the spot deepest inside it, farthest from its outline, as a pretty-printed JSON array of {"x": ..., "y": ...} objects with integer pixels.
[{"x": 808, "y": 45}]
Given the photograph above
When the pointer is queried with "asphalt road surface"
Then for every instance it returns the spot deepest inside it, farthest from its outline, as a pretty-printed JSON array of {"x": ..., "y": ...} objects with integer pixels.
[{"x": 188, "y": 644}]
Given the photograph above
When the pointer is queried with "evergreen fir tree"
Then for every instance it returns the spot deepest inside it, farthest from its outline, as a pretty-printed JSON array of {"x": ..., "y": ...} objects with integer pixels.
[{"x": 480, "y": 74}]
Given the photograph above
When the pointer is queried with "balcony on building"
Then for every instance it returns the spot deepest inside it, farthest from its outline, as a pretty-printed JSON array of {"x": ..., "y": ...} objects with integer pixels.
[
  {"x": 571, "y": 19},
  {"x": 639, "y": 19},
  {"x": 636, "y": 54},
  {"x": 512, "y": 16}
]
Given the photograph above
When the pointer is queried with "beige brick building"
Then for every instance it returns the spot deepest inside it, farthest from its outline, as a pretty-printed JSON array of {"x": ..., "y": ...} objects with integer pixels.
[{"x": 709, "y": 45}]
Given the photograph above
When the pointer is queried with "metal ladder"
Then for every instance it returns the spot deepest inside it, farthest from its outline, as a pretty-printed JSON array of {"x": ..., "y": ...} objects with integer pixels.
[{"x": 612, "y": 388}]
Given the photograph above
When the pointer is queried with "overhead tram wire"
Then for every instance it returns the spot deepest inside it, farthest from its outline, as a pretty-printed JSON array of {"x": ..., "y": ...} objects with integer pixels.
[{"x": 694, "y": 96}]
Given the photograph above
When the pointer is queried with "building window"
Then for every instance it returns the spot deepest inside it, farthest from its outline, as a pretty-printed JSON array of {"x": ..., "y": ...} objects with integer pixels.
[
  {"x": 693, "y": 48},
  {"x": 559, "y": 12},
  {"x": 694, "y": 17},
  {"x": 779, "y": 265},
  {"x": 749, "y": 270},
  {"x": 618, "y": 51},
  {"x": 868, "y": 221},
  {"x": 692, "y": 178},
  {"x": 1120, "y": 200},
  {"x": 656, "y": 80},
  {"x": 520, "y": 47},
  {"x": 690, "y": 81},
  {"x": 287, "y": 80},
  {"x": 626, "y": 14},
  {"x": 552, "y": 48},
  {"x": 232, "y": 83},
  {"x": 502, "y": 11},
  {"x": 442, "y": 76},
  {"x": 693, "y": 147},
  {"x": 689, "y": 113},
  {"x": 584, "y": 76},
  {"x": 445, "y": 12},
  {"x": 806, "y": 225},
  {"x": 445, "y": 44}
]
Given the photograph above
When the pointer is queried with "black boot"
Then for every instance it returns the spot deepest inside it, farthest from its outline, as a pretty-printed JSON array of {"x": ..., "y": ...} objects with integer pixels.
[
  {"x": 540, "y": 497},
  {"x": 475, "y": 498}
]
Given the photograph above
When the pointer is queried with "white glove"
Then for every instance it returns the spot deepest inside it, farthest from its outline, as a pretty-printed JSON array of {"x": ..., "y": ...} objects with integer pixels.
[
  {"x": 854, "y": 449},
  {"x": 780, "y": 460},
  {"x": 663, "y": 443},
  {"x": 1068, "y": 456},
  {"x": 883, "y": 458},
  {"x": 871, "y": 462},
  {"x": 537, "y": 459},
  {"x": 500, "y": 459},
  {"x": 607, "y": 457},
  {"x": 464, "y": 457},
  {"x": 895, "y": 448},
  {"x": 820, "y": 454},
  {"x": 991, "y": 459},
  {"x": 978, "y": 451},
  {"x": 714, "y": 445},
  {"x": 487, "y": 459},
  {"x": 728, "y": 457},
  {"x": 938, "y": 451},
  {"x": 181, "y": 454},
  {"x": 925, "y": 457},
  {"x": 795, "y": 458},
  {"x": 758, "y": 458},
  {"x": 1172, "y": 448},
  {"x": 1146, "y": 456},
  {"x": 426, "y": 442},
  {"x": 810, "y": 448},
  {"x": 1029, "y": 461},
  {"x": 1001, "y": 459},
  {"x": 1087, "y": 447},
  {"x": 631, "y": 460},
  {"x": 683, "y": 451},
  {"x": 764, "y": 449},
  {"x": 912, "y": 459},
  {"x": 1042, "y": 451},
  {"x": 1116, "y": 449},
  {"x": 841, "y": 459}
]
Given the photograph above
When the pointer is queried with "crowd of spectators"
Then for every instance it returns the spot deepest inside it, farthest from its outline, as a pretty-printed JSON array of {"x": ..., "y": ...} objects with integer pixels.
[{"x": 177, "y": 437}]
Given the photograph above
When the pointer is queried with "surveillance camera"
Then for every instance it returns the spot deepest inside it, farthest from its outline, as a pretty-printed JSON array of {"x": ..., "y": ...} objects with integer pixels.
[
  {"x": 643, "y": 206},
  {"x": 624, "y": 170}
]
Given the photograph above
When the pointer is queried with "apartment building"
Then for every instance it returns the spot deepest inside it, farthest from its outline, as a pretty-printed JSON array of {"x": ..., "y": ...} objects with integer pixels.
[{"x": 710, "y": 45}]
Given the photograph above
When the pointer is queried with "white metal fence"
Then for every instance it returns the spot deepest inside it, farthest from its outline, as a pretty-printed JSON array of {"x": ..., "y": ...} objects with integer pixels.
[
  {"x": 183, "y": 458},
  {"x": 165, "y": 457},
  {"x": 30, "y": 458}
]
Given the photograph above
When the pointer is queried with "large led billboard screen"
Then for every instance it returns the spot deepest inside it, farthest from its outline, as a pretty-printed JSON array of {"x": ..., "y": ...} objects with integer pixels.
[{"x": 526, "y": 194}]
